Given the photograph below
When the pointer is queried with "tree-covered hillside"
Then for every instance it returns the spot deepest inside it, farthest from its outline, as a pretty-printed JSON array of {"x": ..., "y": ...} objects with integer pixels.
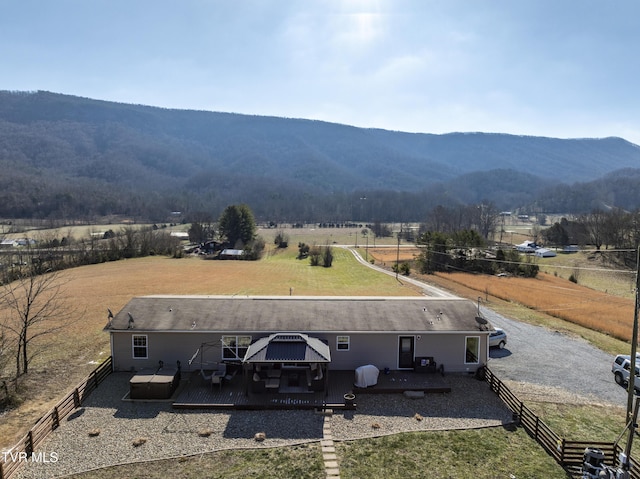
[{"x": 65, "y": 156}]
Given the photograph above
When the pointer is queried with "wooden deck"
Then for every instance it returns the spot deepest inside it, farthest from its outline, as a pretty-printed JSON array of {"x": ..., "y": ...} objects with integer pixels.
[{"x": 196, "y": 393}]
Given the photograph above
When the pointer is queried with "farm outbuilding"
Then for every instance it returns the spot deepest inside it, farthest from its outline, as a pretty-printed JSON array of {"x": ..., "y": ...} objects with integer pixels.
[
  {"x": 544, "y": 253},
  {"x": 231, "y": 254},
  {"x": 264, "y": 334}
]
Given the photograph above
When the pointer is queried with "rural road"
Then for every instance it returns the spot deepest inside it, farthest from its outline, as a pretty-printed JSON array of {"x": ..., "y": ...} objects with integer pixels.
[
  {"x": 428, "y": 289},
  {"x": 541, "y": 357}
]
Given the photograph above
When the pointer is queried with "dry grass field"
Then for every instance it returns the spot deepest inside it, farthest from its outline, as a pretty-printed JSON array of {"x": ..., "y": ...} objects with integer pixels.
[
  {"x": 73, "y": 352},
  {"x": 603, "y": 299},
  {"x": 559, "y": 298}
]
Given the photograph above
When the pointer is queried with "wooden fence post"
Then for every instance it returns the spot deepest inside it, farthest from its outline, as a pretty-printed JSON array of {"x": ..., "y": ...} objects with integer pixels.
[
  {"x": 56, "y": 419},
  {"x": 76, "y": 398},
  {"x": 29, "y": 445}
]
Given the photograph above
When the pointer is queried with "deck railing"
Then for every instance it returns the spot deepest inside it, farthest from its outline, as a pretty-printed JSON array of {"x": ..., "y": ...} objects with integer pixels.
[
  {"x": 569, "y": 454},
  {"x": 25, "y": 448}
]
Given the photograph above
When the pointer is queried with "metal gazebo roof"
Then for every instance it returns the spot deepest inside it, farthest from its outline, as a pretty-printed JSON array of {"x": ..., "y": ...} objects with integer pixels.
[{"x": 288, "y": 348}]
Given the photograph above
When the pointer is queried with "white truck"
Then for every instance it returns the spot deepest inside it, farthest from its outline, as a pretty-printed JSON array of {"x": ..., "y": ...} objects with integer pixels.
[{"x": 620, "y": 369}]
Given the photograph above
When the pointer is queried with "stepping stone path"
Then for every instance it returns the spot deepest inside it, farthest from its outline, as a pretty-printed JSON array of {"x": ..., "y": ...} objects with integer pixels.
[{"x": 329, "y": 451}]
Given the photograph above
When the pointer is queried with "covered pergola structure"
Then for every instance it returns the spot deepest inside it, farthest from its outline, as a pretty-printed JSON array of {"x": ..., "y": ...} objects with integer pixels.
[{"x": 287, "y": 362}]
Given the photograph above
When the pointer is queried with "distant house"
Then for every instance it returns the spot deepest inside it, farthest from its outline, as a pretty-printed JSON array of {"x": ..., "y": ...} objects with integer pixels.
[
  {"x": 572, "y": 248},
  {"x": 527, "y": 247},
  {"x": 544, "y": 253},
  {"x": 12, "y": 243},
  {"x": 8, "y": 243},
  {"x": 180, "y": 234},
  {"x": 231, "y": 254},
  {"x": 344, "y": 333}
]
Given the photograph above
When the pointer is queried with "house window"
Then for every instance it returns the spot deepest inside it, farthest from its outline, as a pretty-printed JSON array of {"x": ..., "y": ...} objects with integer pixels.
[
  {"x": 140, "y": 346},
  {"x": 472, "y": 350},
  {"x": 235, "y": 347},
  {"x": 342, "y": 343}
]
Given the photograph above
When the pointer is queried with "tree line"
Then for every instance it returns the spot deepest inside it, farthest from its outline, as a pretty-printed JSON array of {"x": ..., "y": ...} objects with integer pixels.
[{"x": 615, "y": 231}]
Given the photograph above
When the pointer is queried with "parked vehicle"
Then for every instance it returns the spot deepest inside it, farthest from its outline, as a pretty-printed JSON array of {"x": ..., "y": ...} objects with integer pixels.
[
  {"x": 620, "y": 369},
  {"x": 497, "y": 338}
]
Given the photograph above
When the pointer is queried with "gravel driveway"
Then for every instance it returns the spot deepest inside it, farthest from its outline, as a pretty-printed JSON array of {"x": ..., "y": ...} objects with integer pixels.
[{"x": 538, "y": 361}]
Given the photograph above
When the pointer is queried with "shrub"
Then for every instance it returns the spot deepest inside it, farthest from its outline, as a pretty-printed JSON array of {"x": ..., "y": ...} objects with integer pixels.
[
  {"x": 327, "y": 257},
  {"x": 303, "y": 250},
  {"x": 281, "y": 240},
  {"x": 405, "y": 269}
]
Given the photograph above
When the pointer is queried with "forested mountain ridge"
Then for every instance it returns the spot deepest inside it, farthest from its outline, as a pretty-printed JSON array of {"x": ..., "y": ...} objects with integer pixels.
[{"x": 65, "y": 155}]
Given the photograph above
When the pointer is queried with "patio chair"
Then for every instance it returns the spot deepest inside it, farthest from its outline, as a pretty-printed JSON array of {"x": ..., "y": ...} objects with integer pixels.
[
  {"x": 218, "y": 376},
  {"x": 258, "y": 384}
]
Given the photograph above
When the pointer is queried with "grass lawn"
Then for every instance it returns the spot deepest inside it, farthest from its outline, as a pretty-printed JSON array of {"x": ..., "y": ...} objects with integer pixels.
[
  {"x": 477, "y": 454},
  {"x": 304, "y": 462},
  {"x": 482, "y": 453}
]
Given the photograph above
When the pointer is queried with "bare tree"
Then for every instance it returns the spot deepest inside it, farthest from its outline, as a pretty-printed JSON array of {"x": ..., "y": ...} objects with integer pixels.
[
  {"x": 33, "y": 306},
  {"x": 595, "y": 225},
  {"x": 4, "y": 348}
]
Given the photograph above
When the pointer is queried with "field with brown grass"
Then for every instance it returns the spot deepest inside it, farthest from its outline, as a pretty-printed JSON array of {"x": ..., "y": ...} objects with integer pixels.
[
  {"x": 70, "y": 355},
  {"x": 559, "y": 298},
  {"x": 603, "y": 303}
]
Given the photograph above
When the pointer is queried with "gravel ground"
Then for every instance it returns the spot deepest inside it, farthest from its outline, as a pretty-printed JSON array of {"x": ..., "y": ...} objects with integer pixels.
[
  {"x": 541, "y": 364},
  {"x": 171, "y": 433}
]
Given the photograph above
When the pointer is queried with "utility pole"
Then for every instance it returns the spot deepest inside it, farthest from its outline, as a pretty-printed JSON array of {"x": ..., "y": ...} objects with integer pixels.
[
  {"x": 634, "y": 345},
  {"x": 366, "y": 250},
  {"x": 398, "y": 253},
  {"x": 626, "y": 464}
]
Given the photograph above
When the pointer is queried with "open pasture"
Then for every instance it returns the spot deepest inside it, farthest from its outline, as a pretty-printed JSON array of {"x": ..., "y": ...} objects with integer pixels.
[
  {"x": 554, "y": 296},
  {"x": 389, "y": 255}
]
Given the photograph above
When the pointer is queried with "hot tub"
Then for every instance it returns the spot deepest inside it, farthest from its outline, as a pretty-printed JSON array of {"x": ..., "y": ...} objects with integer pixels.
[{"x": 159, "y": 385}]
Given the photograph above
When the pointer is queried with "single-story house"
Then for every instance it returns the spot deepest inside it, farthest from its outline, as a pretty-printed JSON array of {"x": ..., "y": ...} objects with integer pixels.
[{"x": 339, "y": 333}]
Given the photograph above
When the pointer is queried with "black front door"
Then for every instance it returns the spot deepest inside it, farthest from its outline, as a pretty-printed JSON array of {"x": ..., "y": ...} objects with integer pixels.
[{"x": 405, "y": 352}]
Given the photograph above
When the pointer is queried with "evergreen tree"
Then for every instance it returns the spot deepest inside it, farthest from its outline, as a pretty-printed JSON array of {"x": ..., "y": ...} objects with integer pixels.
[{"x": 237, "y": 225}]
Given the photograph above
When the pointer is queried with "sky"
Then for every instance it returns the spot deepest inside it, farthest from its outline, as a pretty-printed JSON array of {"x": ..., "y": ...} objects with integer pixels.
[{"x": 557, "y": 68}]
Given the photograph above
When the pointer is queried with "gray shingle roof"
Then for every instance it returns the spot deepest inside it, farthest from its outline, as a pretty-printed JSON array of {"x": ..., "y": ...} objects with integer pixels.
[{"x": 295, "y": 314}]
